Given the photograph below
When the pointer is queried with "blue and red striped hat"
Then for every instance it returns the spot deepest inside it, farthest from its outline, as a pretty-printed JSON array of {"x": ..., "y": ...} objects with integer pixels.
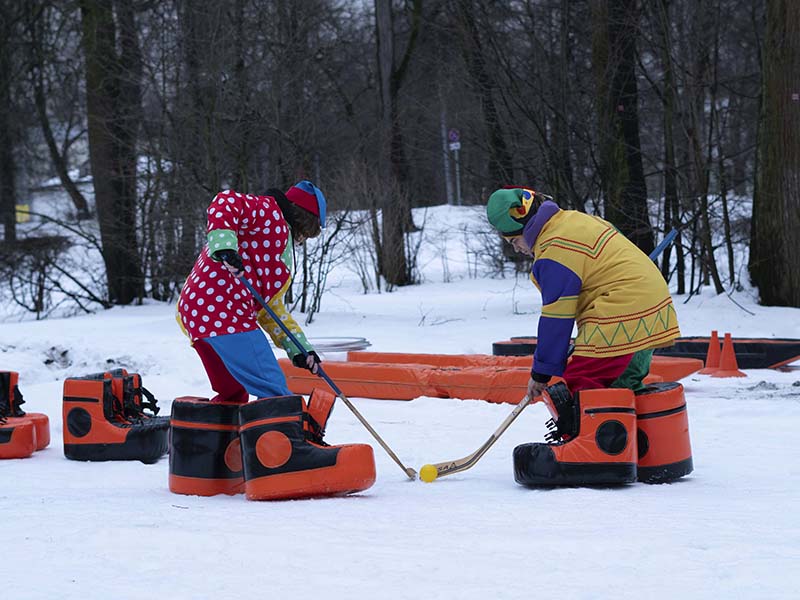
[{"x": 308, "y": 196}]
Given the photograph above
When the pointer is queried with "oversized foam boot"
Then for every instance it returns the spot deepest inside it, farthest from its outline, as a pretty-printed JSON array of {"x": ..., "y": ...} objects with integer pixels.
[
  {"x": 9, "y": 389},
  {"x": 596, "y": 441},
  {"x": 17, "y": 437},
  {"x": 664, "y": 448},
  {"x": 96, "y": 427},
  {"x": 284, "y": 458},
  {"x": 17, "y": 434},
  {"x": 205, "y": 456}
]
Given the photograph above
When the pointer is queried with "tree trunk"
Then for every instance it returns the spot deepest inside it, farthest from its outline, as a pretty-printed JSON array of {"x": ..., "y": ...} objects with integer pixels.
[
  {"x": 622, "y": 172},
  {"x": 8, "y": 164},
  {"x": 703, "y": 165},
  {"x": 112, "y": 105},
  {"x": 775, "y": 237},
  {"x": 393, "y": 255},
  {"x": 672, "y": 215}
]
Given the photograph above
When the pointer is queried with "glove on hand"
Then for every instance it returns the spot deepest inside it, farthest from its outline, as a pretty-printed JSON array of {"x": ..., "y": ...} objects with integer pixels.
[
  {"x": 301, "y": 362},
  {"x": 232, "y": 258}
]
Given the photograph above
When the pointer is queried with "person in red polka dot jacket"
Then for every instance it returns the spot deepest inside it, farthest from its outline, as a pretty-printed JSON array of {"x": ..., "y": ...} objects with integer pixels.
[{"x": 253, "y": 235}]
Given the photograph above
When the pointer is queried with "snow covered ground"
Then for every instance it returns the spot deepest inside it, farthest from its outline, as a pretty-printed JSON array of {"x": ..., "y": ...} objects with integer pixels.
[{"x": 113, "y": 530}]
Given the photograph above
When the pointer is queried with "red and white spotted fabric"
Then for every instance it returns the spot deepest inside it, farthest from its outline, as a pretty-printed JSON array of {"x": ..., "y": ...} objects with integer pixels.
[{"x": 214, "y": 302}]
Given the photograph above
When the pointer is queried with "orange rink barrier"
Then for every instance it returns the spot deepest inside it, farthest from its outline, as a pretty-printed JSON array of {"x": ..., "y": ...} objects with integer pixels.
[
  {"x": 406, "y": 381},
  {"x": 440, "y": 360},
  {"x": 667, "y": 368}
]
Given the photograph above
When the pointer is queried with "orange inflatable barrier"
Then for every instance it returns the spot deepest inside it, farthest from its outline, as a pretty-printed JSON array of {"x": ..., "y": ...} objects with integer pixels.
[
  {"x": 440, "y": 360},
  {"x": 493, "y": 384},
  {"x": 665, "y": 451},
  {"x": 408, "y": 381},
  {"x": 283, "y": 459},
  {"x": 662, "y": 368},
  {"x": 10, "y": 393},
  {"x": 205, "y": 457},
  {"x": 362, "y": 380},
  {"x": 673, "y": 368}
]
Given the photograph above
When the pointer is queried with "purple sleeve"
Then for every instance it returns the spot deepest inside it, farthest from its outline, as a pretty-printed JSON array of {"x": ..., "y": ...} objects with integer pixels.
[{"x": 560, "y": 288}]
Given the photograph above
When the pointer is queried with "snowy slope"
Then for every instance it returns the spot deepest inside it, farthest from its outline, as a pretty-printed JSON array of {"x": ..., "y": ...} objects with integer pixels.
[{"x": 113, "y": 530}]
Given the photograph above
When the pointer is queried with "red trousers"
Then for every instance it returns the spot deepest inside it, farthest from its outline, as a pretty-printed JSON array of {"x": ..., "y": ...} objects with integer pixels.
[
  {"x": 585, "y": 372},
  {"x": 222, "y": 382}
]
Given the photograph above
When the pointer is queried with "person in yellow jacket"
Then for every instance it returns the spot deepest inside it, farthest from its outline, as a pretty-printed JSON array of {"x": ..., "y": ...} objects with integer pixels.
[{"x": 589, "y": 273}]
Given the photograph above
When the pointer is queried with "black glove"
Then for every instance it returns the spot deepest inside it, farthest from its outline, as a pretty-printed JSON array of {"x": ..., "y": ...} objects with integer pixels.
[
  {"x": 301, "y": 362},
  {"x": 232, "y": 258},
  {"x": 540, "y": 377}
]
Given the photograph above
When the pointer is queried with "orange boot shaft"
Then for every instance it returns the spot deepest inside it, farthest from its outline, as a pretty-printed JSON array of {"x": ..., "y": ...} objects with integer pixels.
[{"x": 664, "y": 447}]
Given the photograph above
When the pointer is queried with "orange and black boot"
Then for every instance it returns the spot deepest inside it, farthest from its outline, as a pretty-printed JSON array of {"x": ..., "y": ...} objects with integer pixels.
[
  {"x": 17, "y": 434},
  {"x": 96, "y": 427},
  {"x": 284, "y": 456},
  {"x": 665, "y": 451},
  {"x": 9, "y": 389},
  {"x": 205, "y": 454},
  {"x": 593, "y": 440}
]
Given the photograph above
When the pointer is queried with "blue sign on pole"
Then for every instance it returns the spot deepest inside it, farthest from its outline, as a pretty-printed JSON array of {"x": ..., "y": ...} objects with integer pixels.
[{"x": 453, "y": 136}]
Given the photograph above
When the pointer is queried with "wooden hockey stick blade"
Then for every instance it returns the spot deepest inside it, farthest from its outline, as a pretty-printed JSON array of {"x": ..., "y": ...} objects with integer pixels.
[{"x": 462, "y": 464}]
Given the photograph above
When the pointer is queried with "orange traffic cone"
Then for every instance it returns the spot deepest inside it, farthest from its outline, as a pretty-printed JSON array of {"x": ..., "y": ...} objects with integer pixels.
[
  {"x": 727, "y": 361},
  {"x": 712, "y": 358}
]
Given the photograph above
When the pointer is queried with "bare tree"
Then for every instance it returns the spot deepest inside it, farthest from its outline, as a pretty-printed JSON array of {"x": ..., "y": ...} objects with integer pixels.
[
  {"x": 775, "y": 243},
  {"x": 393, "y": 253},
  {"x": 10, "y": 68},
  {"x": 614, "y": 53},
  {"x": 113, "y": 113}
]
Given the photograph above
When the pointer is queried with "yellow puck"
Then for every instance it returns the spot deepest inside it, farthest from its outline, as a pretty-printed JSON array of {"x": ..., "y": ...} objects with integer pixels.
[{"x": 428, "y": 473}]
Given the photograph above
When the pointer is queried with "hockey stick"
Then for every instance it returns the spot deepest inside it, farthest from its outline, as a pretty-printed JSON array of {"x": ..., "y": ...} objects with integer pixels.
[
  {"x": 664, "y": 243},
  {"x": 410, "y": 473},
  {"x": 462, "y": 464}
]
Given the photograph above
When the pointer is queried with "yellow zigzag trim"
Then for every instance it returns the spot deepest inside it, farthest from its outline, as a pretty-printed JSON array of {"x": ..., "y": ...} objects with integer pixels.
[{"x": 640, "y": 324}]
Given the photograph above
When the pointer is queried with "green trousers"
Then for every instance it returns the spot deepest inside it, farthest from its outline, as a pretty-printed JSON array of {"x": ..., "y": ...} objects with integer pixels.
[{"x": 636, "y": 371}]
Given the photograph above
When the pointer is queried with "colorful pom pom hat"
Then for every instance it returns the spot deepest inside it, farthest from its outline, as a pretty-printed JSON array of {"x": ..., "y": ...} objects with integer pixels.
[
  {"x": 510, "y": 208},
  {"x": 308, "y": 196}
]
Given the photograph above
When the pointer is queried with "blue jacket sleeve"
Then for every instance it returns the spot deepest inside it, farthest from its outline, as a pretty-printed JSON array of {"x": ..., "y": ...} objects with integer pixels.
[{"x": 560, "y": 287}]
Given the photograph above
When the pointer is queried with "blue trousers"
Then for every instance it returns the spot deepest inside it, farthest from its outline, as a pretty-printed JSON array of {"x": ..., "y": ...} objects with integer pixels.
[{"x": 245, "y": 359}]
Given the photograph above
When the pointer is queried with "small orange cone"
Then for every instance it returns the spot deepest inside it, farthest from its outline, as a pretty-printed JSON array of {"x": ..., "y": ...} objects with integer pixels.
[
  {"x": 712, "y": 357},
  {"x": 727, "y": 361}
]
